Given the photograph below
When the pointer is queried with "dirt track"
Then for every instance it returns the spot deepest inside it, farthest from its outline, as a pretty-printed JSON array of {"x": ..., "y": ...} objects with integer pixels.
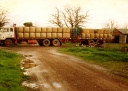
[{"x": 60, "y": 72}]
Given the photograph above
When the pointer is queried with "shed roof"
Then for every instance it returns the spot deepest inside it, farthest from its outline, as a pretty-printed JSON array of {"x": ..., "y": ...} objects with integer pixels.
[{"x": 123, "y": 31}]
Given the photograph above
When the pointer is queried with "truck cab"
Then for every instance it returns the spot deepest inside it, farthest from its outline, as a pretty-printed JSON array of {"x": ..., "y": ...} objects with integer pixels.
[{"x": 7, "y": 35}]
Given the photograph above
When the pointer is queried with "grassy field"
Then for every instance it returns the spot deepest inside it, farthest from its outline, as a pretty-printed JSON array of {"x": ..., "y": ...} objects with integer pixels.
[
  {"x": 11, "y": 75},
  {"x": 111, "y": 57}
]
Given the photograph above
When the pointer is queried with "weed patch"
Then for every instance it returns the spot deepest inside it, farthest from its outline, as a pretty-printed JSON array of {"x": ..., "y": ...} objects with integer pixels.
[
  {"x": 11, "y": 75},
  {"x": 111, "y": 58}
]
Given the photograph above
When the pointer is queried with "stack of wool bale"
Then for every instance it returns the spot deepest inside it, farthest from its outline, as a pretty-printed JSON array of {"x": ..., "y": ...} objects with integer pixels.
[
  {"x": 96, "y": 34},
  {"x": 42, "y": 32}
]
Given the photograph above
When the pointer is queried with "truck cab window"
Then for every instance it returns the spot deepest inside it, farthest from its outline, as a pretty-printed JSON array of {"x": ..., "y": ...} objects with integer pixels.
[
  {"x": 11, "y": 29},
  {"x": 5, "y": 30}
]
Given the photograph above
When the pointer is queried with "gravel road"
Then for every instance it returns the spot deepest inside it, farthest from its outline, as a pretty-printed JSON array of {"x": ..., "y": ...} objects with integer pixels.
[{"x": 61, "y": 72}]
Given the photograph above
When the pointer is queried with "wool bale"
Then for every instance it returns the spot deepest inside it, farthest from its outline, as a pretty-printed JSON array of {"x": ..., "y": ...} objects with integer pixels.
[
  {"x": 92, "y": 35},
  {"x": 66, "y": 35},
  {"x": 85, "y": 31},
  {"x": 26, "y": 35},
  {"x": 43, "y": 35},
  {"x": 83, "y": 35},
  {"x": 38, "y": 35},
  {"x": 59, "y": 30},
  {"x": 26, "y": 29},
  {"x": 97, "y": 35},
  {"x": 105, "y": 35},
  {"x": 49, "y": 30},
  {"x": 20, "y": 35},
  {"x": 109, "y": 36},
  {"x": 32, "y": 35},
  {"x": 106, "y": 31},
  {"x": 59, "y": 35},
  {"x": 100, "y": 31},
  {"x": 91, "y": 31},
  {"x": 19, "y": 29},
  {"x": 48, "y": 35},
  {"x": 87, "y": 35},
  {"x": 54, "y": 35},
  {"x": 32, "y": 29},
  {"x": 43, "y": 29},
  {"x": 101, "y": 35},
  {"x": 38, "y": 29},
  {"x": 54, "y": 30},
  {"x": 66, "y": 30}
]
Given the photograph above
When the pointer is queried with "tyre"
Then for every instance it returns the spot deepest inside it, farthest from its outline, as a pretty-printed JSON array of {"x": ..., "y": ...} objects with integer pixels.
[
  {"x": 91, "y": 42},
  {"x": 8, "y": 42},
  {"x": 99, "y": 43},
  {"x": 55, "y": 42},
  {"x": 46, "y": 42}
]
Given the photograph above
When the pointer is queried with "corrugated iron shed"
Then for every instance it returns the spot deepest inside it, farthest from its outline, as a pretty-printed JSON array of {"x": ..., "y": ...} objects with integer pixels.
[{"x": 124, "y": 31}]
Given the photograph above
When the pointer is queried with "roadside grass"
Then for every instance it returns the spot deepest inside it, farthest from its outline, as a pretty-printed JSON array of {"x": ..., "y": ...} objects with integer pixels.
[
  {"x": 11, "y": 74},
  {"x": 110, "y": 57}
]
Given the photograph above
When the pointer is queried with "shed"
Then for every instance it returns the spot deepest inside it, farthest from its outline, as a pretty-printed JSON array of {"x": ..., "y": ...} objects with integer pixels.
[{"x": 120, "y": 35}]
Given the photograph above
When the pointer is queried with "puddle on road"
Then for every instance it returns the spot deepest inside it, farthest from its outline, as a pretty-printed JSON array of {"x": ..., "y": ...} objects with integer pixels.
[
  {"x": 28, "y": 63},
  {"x": 27, "y": 55},
  {"x": 57, "y": 85}
]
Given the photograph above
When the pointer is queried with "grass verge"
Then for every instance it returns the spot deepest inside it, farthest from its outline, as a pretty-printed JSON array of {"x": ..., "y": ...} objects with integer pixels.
[
  {"x": 111, "y": 57},
  {"x": 11, "y": 75}
]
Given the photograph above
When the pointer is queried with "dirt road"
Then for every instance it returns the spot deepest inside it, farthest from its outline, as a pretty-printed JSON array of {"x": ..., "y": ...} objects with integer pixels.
[{"x": 60, "y": 72}]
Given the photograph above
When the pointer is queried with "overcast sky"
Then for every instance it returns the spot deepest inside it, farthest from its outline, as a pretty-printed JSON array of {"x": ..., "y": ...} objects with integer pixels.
[{"x": 39, "y": 11}]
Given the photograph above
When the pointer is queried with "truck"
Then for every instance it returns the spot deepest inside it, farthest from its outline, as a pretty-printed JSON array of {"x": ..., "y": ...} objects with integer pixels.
[
  {"x": 44, "y": 36},
  {"x": 53, "y": 36}
]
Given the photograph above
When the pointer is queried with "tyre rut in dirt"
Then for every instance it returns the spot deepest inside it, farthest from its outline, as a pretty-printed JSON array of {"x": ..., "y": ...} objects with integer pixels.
[
  {"x": 46, "y": 42},
  {"x": 8, "y": 42},
  {"x": 55, "y": 42}
]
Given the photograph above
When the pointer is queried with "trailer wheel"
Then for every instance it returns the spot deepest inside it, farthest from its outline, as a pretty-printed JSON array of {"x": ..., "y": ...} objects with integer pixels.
[
  {"x": 46, "y": 42},
  {"x": 99, "y": 43},
  {"x": 91, "y": 43},
  {"x": 55, "y": 42},
  {"x": 8, "y": 42}
]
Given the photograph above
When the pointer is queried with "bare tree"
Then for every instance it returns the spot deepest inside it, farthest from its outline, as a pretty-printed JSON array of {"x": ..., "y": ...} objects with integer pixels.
[
  {"x": 71, "y": 17},
  {"x": 111, "y": 25},
  {"x": 3, "y": 19},
  {"x": 57, "y": 18},
  {"x": 74, "y": 18}
]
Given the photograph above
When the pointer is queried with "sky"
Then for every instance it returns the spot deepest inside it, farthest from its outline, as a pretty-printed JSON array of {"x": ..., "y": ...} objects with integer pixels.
[{"x": 39, "y": 11}]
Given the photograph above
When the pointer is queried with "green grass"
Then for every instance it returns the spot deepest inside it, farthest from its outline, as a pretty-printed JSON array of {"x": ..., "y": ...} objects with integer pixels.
[
  {"x": 111, "y": 57},
  {"x": 11, "y": 75}
]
